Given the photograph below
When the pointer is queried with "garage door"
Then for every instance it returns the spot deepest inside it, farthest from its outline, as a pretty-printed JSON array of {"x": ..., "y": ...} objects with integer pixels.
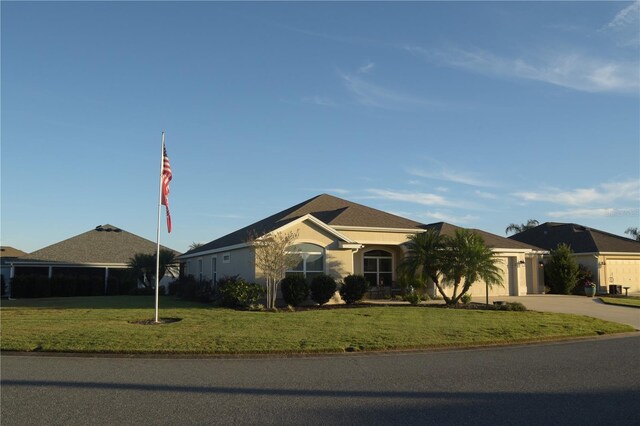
[
  {"x": 505, "y": 264},
  {"x": 624, "y": 272}
]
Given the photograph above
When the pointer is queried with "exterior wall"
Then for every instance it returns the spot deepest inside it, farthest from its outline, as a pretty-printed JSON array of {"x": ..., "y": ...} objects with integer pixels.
[
  {"x": 241, "y": 262},
  {"x": 534, "y": 275},
  {"x": 377, "y": 237},
  {"x": 614, "y": 268}
]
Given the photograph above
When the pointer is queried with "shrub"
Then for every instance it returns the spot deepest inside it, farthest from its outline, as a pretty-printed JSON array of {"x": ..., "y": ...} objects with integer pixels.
[
  {"x": 235, "y": 292},
  {"x": 562, "y": 270},
  {"x": 295, "y": 289},
  {"x": 353, "y": 289},
  {"x": 412, "y": 297},
  {"x": 466, "y": 298},
  {"x": 323, "y": 287},
  {"x": 513, "y": 306},
  {"x": 187, "y": 287},
  {"x": 584, "y": 276}
]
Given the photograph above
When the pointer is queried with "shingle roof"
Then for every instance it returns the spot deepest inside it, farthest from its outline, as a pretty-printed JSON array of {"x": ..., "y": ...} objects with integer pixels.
[
  {"x": 580, "y": 238},
  {"x": 6, "y": 251},
  {"x": 104, "y": 244},
  {"x": 491, "y": 240},
  {"x": 331, "y": 210}
]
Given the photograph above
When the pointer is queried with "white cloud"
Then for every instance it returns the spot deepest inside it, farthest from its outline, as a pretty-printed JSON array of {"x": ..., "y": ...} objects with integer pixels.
[
  {"x": 486, "y": 195},
  {"x": 566, "y": 69},
  {"x": 411, "y": 197},
  {"x": 366, "y": 68},
  {"x": 372, "y": 95},
  {"x": 445, "y": 217},
  {"x": 440, "y": 171},
  {"x": 603, "y": 194},
  {"x": 601, "y": 212},
  {"x": 627, "y": 16},
  {"x": 319, "y": 100}
]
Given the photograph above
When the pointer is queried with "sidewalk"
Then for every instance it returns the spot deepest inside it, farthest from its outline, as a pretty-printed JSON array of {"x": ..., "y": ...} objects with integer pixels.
[{"x": 589, "y": 306}]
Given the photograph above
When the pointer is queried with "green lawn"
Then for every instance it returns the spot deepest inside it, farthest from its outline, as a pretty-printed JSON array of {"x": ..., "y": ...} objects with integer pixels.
[
  {"x": 105, "y": 325},
  {"x": 633, "y": 301}
]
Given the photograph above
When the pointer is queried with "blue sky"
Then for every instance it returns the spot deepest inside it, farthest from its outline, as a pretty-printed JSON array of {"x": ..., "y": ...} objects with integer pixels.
[{"x": 475, "y": 113}]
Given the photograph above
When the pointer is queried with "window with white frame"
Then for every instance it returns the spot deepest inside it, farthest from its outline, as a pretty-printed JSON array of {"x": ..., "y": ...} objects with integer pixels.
[
  {"x": 311, "y": 260},
  {"x": 226, "y": 258},
  {"x": 378, "y": 268}
]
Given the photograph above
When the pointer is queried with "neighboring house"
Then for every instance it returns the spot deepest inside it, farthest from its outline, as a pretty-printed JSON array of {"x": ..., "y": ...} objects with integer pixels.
[
  {"x": 98, "y": 251},
  {"x": 339, "y": 237},
  {"x": 613, "y": 259},
  {"x": 8, "y": 255}
]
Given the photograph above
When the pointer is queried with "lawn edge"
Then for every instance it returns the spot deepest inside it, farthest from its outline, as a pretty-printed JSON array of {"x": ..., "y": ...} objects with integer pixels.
[{"x": 323, "y": 354}]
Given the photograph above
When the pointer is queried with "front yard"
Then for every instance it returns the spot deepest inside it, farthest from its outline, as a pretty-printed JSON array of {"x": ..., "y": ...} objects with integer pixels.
[{"x": 108, "y": 325}]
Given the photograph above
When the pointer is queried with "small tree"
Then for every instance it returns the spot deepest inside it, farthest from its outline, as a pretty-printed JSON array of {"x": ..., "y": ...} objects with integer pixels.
[
  {"x": 562, "y": 270},
  {"x": 457, "y": 261},
  {"x": 466, "y": 260},
  {"x": 274, "y": 257}
]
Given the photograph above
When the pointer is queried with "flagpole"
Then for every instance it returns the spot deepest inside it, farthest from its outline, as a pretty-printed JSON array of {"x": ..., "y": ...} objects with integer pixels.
[{"x": 158, "y": 227}]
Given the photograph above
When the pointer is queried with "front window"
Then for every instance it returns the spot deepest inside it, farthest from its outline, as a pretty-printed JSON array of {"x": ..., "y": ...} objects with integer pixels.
[
  {"x": 378, "y": 268},
  {"x": 311, "y": 260}
]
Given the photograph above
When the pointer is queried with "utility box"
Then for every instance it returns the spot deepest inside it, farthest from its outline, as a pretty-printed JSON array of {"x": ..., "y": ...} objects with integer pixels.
[{"x": 615, "y": 289}]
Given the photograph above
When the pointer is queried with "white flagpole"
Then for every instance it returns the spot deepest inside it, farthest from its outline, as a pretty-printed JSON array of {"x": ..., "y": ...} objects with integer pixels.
[{"x": 158, "y": 226}]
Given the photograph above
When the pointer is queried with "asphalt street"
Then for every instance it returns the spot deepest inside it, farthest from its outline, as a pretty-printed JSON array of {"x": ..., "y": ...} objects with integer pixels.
[{"x": 594, "y": 381}]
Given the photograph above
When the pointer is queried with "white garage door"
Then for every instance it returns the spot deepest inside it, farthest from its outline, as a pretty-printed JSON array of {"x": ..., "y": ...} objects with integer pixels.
[{"x": 624, "y": 272}]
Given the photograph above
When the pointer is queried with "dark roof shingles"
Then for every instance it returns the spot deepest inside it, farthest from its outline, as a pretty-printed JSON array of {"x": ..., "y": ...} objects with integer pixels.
[
  {"x": 104, "y": 244},
  {"x": 580, "y": 238},
  {"x": 331, "y": 210}
]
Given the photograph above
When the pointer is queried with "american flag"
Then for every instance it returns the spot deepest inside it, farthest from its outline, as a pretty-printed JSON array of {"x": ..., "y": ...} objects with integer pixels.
[{"x": 166, "y": 178}]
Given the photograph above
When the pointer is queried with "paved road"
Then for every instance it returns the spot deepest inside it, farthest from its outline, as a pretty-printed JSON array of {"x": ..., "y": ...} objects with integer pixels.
[
  {"x": 585, "y": 382},
  {"x": 575, "y": 305}
]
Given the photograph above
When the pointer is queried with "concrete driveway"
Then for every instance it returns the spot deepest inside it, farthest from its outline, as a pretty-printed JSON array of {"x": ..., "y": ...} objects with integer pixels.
[{"x": 592, "y": 307}]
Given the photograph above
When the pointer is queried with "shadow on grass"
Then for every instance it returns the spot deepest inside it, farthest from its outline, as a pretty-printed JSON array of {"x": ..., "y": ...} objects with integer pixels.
[{"x": 103, "y": 302}]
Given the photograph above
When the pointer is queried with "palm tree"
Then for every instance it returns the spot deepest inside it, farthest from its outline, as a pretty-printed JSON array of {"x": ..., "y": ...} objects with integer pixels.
[
  {"x": 195, "y": 245},
  {"x": 144, "y": 265},
  {"x": 515, "y": 228},
  {"x": 423, "y": 258},
  {"x": 634, "y": 232},
  {"x": 465, "y": 261},
  {"x": 168, "y": 262}
]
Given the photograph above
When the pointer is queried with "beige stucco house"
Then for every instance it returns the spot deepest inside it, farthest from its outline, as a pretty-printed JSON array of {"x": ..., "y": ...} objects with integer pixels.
[
  {"x": 339, "y": 237},
  {"x": 613, "y": 259}
]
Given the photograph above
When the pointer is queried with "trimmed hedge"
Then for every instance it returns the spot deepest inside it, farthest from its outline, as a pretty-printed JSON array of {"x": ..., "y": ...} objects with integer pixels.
[
  {"x": 323, "y": 287},
  {"x": 353, "y": 289},
  {"x": 295, "y": 289}
]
